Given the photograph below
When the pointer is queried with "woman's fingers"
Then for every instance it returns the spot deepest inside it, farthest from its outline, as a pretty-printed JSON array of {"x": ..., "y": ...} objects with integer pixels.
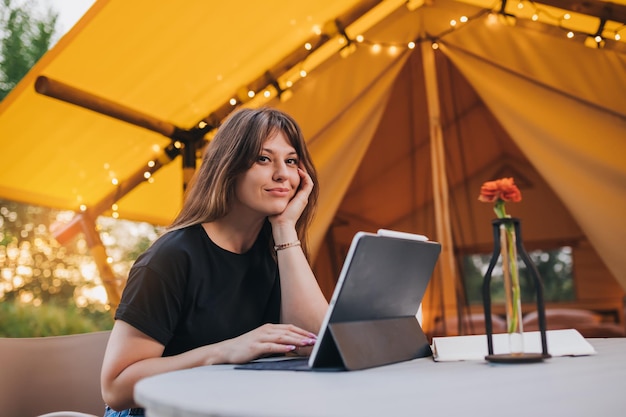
[
  {"x": 296, "y": 206},
  {"x": 287, "y": 334},
  {"x": 269, "y": 339}
]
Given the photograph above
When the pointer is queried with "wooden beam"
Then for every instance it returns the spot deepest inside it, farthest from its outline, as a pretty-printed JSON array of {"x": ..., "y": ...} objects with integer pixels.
[{"x": 64, "y": 92}]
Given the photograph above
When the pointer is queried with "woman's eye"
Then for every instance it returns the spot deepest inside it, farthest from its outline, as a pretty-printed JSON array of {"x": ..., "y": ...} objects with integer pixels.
[
  {"x": 292, "y": 161},
  {"x": 263, "y": 158}
]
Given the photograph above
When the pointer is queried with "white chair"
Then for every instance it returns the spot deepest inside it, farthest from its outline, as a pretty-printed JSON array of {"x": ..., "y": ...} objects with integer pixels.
[{"x": 41, "y": 376}]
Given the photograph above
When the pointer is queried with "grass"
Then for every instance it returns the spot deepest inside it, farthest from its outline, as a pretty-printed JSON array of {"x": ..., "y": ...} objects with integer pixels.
[{"x": 25, "y": 320}]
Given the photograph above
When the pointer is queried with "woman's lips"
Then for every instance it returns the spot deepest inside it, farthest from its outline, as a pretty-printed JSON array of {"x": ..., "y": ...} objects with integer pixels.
[{"x": 278, "y": 191}]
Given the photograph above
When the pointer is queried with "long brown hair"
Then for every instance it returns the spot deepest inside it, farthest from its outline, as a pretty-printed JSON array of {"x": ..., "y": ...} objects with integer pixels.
[{"x": 235, "y": 147}]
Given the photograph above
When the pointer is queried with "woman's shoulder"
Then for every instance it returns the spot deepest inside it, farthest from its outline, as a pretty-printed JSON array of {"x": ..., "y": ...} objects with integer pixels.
[
  {"x": 174, "y": 243},
  {"x": 181, "y": 236}
]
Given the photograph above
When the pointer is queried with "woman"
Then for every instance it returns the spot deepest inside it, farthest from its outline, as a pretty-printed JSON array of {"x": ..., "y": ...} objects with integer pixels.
[{"x": 229, "y": 282}]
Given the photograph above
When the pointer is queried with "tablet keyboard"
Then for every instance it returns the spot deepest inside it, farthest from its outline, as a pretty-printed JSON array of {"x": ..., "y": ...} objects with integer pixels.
[{"x": 290, "y": 364}]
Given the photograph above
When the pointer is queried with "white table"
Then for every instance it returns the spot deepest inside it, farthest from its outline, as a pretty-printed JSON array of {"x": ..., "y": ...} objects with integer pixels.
[{"x": 586, "y": 386}]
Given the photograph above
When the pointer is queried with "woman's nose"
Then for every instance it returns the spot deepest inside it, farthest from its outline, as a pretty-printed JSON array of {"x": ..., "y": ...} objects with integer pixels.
[{"x": 280, "y": 171}]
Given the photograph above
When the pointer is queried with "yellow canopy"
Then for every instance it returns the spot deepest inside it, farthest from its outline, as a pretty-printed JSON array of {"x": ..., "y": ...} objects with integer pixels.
[{"x": 537, "y": 100}]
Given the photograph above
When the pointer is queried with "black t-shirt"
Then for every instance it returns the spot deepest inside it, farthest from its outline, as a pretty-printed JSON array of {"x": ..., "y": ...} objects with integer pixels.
[{"x": 186, "y": 292}]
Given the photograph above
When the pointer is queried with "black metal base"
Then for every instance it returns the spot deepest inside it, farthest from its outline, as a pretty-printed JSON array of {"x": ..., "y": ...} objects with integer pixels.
[{"x": 516, "y": 357}]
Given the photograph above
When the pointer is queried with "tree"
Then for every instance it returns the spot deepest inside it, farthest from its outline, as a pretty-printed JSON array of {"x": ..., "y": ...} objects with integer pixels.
[
  {"x": 39, "y": 278},
  {"x": 46, "y": 288},
  {"x": 24, "y": 39}
]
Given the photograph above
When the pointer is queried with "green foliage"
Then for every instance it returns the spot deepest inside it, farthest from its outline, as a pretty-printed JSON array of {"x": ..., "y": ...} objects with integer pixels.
[
  {"x": 44, "y": 286},
  {"x": 24, "y": 38},
  {"x": 554, "y": 267},
  {"x": 33, "y": 264},
  {"x": 26, "y": 320},
  {"x": 47, "y": 289}
]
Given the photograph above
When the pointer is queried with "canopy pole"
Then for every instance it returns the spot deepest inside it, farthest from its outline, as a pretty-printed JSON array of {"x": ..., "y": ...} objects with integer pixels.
[
  {"x": 447, "y": 273},
  {"x": 190, "y": 140},
  {"x": 65, "y": 92},
  {"x": 85, "y": 223}
]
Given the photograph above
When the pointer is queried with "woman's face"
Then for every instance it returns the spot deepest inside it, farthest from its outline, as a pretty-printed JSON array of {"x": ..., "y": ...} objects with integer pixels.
[{"x": 272, "y": 181}]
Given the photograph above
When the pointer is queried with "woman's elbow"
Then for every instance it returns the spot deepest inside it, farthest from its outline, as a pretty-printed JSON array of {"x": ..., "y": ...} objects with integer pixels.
[{"x": 116, "y": 398}]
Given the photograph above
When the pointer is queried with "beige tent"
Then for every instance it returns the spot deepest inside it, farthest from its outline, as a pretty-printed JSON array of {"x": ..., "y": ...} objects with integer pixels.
[{"x": 403, "y": 135}]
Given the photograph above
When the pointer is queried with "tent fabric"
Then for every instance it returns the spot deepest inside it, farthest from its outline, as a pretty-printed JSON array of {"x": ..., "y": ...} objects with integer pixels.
[
  {"x": 345, "y": 115},
  {"x": 172, "y": 62},
  {"x": 515, "y": 101},
  {"x": 579, "y": 149}
]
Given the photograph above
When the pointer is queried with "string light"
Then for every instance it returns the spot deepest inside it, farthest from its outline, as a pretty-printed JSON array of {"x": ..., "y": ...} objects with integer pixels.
[{"x": 346, "y": 46}]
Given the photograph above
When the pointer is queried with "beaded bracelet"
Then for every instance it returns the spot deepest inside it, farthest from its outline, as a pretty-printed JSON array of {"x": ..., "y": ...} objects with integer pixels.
[{"x": 286, "y": 245}]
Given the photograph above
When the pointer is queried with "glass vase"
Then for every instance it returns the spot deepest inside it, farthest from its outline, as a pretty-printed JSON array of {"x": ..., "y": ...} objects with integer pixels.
[
  {"x": 508, "y": 246},
  {"x": 512, "y": 292}
]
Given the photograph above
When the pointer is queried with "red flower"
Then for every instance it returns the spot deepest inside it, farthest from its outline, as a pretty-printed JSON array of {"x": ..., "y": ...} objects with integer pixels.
[{"x": 502, "y": 189}]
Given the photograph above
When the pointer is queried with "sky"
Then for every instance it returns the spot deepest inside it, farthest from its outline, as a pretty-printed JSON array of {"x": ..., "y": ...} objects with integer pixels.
[{"x": 70, "y": 11}]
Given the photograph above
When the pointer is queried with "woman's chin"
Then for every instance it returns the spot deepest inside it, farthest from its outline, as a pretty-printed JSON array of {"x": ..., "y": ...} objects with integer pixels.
[{"x": 276, "y": 210}]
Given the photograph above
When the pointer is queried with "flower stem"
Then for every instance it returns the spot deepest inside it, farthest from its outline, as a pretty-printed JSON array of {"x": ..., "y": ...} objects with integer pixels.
[
  {"x": 515, "y": 287},
  {"x": 500, "y": 211}
]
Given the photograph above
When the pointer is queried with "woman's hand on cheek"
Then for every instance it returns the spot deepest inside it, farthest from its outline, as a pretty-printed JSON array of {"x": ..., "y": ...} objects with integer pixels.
[{"x": 296, "y": 206}]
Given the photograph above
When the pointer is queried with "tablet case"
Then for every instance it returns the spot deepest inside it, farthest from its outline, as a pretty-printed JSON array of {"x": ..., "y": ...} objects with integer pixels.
[{"x": 373, "y": 320}]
